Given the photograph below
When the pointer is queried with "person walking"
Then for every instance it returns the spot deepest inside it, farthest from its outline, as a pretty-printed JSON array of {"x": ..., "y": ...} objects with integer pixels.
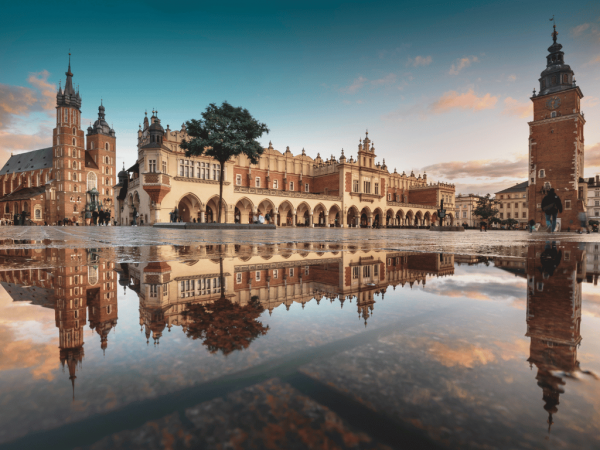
[
  {"x": 531, "y": 224},
  {"x": 551, "y": 205}
]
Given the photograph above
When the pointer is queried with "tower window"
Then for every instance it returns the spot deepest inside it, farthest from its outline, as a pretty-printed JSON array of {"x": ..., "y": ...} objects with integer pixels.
[
  {"x": 73, "y": 141},
  {"x": 106, "y": 146},
  {"x": 542, "y": 173},
  {"x": 74, "y": 131},
  {"x": 553, "y": 115},
  {"x": 565, "y": 78}
]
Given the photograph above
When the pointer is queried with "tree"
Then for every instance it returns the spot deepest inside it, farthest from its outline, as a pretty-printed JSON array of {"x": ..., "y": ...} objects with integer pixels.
[
  {"x": 510, "y": 223},
  {"x": 486, "y": 208},
  {"x": 224, "y": 132}
]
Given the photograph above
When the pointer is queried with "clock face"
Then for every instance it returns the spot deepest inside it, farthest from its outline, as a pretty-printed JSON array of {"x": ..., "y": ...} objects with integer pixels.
[{"x": 553, "y": 103}]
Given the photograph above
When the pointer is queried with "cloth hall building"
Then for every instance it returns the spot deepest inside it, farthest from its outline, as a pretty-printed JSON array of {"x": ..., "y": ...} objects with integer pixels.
[
  {"x": 64, "y": 181},
  {"x": 295, "y": 190}
]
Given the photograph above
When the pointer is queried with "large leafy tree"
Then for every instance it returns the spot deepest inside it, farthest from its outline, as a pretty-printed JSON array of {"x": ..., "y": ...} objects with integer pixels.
[
  {"x": 224, "y": 132},
  {"x": 486, "y": 208}
]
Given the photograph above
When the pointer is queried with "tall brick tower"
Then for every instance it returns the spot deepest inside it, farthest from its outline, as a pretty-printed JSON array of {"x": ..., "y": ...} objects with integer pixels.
[
  {"x": 68, "y": 152},
  {"x": 556, "y": 141}
]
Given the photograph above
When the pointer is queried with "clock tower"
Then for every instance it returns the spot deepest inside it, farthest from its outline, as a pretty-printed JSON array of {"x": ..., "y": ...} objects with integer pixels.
[{"x": 556, "y": 141}]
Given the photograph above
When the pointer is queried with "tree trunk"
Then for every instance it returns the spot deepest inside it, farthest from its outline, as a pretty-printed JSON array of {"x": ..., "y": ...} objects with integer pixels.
[
  {"x": 221, "y": 277},
  {"x": 222, "y": 169}
]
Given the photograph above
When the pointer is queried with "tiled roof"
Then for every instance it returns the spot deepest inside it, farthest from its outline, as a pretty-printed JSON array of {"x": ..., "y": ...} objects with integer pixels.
[
  {"x": 24, "y": 194},
  {"x": 24, "y": 162},
  {"x": 516, "y": 188}
]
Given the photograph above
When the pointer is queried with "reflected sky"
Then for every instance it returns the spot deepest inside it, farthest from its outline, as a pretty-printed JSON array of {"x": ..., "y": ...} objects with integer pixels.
[{"x": 85, "y": 332}]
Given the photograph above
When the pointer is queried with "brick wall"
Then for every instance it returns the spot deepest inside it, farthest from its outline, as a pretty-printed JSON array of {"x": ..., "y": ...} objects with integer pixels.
[
  {"x": 330, "y": 182},
  {"x": 423, "y": 196}
]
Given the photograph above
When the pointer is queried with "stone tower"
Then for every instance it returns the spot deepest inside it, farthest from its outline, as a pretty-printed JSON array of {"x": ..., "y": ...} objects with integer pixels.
[
  {"x": 556, "y": 141},
  {"x": 68, "y": 165}
]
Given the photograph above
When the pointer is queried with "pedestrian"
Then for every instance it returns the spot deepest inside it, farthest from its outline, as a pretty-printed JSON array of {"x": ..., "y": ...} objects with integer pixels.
[
  {"x": 531, "y": 224},
  {"x": 254, "y": 218},
  {"x": 267, "y": 218},
  {"x": 582, "y": 219},
  {"x": 551, "y": 205},
  {"x": 261, "y": 219}
]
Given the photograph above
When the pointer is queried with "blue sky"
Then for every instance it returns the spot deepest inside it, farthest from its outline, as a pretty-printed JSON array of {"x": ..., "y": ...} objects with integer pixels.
[{"x": 440, "y": 85}]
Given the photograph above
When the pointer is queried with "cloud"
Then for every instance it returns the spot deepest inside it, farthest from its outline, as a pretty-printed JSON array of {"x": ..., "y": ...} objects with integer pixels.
[
  {"x": 513, "y": 107},
  {"x": 467, "y": 355},
  {"x": 388, "y": 79},
  {"x": 468, "y": 100},
  {"x": 592, "y": 155},
  {"x": 488, "y": 168},
  {"x": 22, "y": 101},
  {"x": 461, "y": 63},
  {"x": 592, "y": 61},
  {"x": 579, "y": 29},
  {"x": 357, "y": 84},
  {"x": 512, "y": 78},
  {"x": 590, "y": 102},
  {"x": 419, "y": 61}
]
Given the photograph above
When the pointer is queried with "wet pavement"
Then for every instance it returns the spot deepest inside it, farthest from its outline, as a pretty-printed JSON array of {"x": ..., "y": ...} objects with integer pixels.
[{"x": 142, "y": 338}]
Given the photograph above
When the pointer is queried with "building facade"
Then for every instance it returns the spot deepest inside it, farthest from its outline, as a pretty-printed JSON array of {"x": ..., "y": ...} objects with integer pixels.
[
  {"x": 513, "y": 204},
  {"x": 556, "y": 144},
  {"x": 77, "y": 173},
  {"x": 593, "y": 198},
  {"x": 465, "y": 206},
  {"x": 295, "y": 190}
]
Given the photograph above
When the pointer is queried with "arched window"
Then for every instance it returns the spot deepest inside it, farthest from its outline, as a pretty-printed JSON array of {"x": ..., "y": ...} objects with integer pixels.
[
  {"x": 553, "y": 114},
  {"x": 92, "y": 275},
  {"x": 71, "y": 199},
  {"x": 92, "y": 181},
  {"x": 108, "y": 181},
  {"x": 38, "y": 214},
  {"x": 74, "y": 176},
  {"x": 73, "y": 141},
  {"x": 74, "y": 164},
  {"x": 74, "y": 131},
  {"x": 75, "y": 207},
  {"x": 75, "y": 188},
  {"x": 106, "y": 146},
  {"x": 565, "y": 78}
]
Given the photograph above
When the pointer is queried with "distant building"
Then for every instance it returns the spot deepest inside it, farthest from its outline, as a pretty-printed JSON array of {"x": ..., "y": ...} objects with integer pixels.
[
  {"x": 593, "y": 198},
  {"x": 513, "y": 203},
  {"x": 465, "y": 205},
  {"x": 556, "y": 152},
  {"x": 60, "y": 182},
  {"x": 295, "y": 190}
]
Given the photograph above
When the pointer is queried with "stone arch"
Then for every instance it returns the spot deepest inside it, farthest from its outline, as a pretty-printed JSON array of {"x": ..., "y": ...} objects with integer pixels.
[
  {"x": 211, "y": 210},
  {"x": 427, "y": 219},
  {"x": 378, "y": 219},
  {"x": 244, "y": 209},
  {"x": 390, "y": 220},
  {"x": 352, "y": 217},
  {"x": 189, "y": 207},
  {"x": 366, "y": 217},
  {"x": 286, "y": 214},
  {"x": 400, "y": 217},
  {"x": 449, "y": 219},
  {"x": 303, "y": 214},
  {"x": 418, "y": 219},
  {"x": 410, "y": 218},
  {"x": 320, "y": 214},
  {"x": 266, "y": 206},
  {"x": 335, "y": 216}
]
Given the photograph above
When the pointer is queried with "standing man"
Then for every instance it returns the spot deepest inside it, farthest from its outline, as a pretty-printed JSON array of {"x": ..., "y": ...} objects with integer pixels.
[{"x": 551, "y": 205}]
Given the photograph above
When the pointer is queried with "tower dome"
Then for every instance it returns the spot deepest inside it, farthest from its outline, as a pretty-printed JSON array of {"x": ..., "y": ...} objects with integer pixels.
[{"x": 557, "y": 76}]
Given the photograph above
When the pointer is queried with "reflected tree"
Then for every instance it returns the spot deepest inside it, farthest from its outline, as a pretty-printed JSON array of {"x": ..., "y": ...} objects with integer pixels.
[{"x": 224, "y": 325}]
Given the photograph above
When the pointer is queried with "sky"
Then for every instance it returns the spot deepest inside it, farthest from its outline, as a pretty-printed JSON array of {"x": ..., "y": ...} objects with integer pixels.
[{"x": 442, "y": 87}]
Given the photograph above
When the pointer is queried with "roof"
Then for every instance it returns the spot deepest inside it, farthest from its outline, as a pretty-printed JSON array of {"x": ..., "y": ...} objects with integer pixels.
[
  {"x": 520, "y": 187},
  {"x": 89, "y": 161},
  {"x": 24, "y": 194},
  {"x": 24, "y": 162}
]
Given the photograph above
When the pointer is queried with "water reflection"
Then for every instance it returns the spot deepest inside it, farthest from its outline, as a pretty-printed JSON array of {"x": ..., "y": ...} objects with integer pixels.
[{"x": 218, "y": 296}]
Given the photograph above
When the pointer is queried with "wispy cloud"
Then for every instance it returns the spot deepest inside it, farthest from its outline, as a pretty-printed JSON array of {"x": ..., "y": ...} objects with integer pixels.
[
  {"x": 592, "y": 155},
  {"x": 388, "y": 79},
  {"x": 357, "y": 84},
  {"x": 467, "y": 100},
  {"x": 579, "y": 29},
  {"x": 590, "y": 102},
  {"x": 512, "y": 78},
  {"x": 488, "y": 168},
  {"x": 419, "y": 61},
  {"x": 514, "y": 107},
  {"x": 361, "y": 82},
  {"x": 462, "y": 63}
]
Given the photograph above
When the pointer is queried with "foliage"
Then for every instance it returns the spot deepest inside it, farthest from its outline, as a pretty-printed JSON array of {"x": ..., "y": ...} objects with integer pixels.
[
  {"x": 495, "y": 220},
  {"x": 224, "y": 132},
  {"x": 510, "y": 222},
  {"x": 594, "y": 222},
  {"x": 486, "y": 208},
  {"x": 225, "y": 326}
]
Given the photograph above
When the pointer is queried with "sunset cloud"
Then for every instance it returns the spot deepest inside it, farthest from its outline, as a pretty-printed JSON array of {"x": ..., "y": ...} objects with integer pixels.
[
  {"x": 592, "y": 155},
  {"x": 579, "y": 29},
  {"x": 590, "y": 102},
  {"x": 462, "y": 63},
  {"x": 357, "y": 84},
  {"x": 419, "y": 61},
  {"x": 468, "y": 100},
  {"x": 489, "y": 168},
  {"x": 22, "y": 101},
  {"x": 514, "y": 107},
  {"x": 361, "y": 82}
]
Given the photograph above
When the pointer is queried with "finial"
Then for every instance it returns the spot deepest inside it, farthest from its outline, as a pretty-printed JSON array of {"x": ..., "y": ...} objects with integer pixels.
[
  {"x": 554, "y": 33},
  {"x": 101, "y": 102},
  {"x": 146, "y": 112},
  {"x": 534, "y": 92},
  {"x": 342, "y": 152}
]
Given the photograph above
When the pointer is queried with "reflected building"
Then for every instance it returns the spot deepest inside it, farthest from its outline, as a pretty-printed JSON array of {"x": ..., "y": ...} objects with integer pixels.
[
  {"x": 554, "y": 282},
  {"x": 73, "y": 282},
  {"x": 278, "y": 276}
]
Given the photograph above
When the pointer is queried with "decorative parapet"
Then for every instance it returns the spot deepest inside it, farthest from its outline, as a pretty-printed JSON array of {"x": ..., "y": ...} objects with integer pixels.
[
  {"x": 279, "y": 193},
  {"x": 433, "y": 185},
  {"x": 157, "y": 185},
  {"x": 411, "y": 205},
  {"x": 133, "y": 183},
  {"x": 200, "y": 180}
]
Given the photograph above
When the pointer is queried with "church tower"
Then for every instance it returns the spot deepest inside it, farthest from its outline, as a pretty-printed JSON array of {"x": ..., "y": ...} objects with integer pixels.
[
  {"x": 68, "y": 152},
  {"x": 556, "y": 141}
]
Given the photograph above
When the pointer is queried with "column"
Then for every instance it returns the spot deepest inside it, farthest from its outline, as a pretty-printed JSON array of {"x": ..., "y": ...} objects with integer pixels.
[
  {"x": 370, "y": 221},
  {"x": 202, "y": 217},
  {"x": 343, "y": 216},
  {"x": 275, "y": 215},
  {"x": 294, "y": 218},
  {"x": 311, "y": 223}
]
